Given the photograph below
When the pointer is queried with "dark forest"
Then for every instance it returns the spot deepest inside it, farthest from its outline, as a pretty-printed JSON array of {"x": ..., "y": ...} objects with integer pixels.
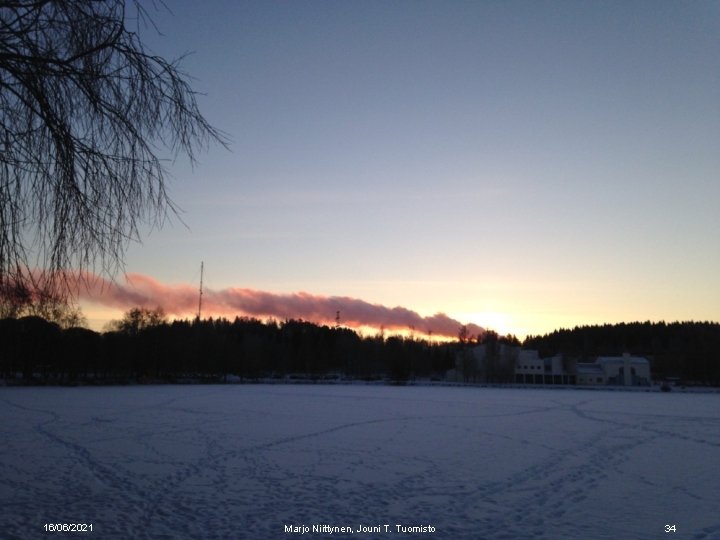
[{"x": 143, "y": 347}]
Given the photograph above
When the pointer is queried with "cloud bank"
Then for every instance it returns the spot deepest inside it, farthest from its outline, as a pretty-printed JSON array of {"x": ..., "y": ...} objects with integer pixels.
[{"x": 182, "y": 300}]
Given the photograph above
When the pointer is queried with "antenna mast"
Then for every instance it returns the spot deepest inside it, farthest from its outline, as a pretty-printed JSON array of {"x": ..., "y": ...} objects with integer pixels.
[{"x": 202, "y": 264}]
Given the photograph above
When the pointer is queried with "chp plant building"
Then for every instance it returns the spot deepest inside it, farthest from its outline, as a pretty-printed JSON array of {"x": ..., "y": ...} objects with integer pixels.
[
  {"x": 622, "y": 370},
  {"x": 525, "y": 366}
]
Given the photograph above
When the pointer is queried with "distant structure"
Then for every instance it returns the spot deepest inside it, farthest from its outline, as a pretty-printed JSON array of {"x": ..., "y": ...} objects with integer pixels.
[
  {"x": 202, "y": 265},
  {"x": 483, "y": 363},
  {"x": 505, "y": 364},
  {"x": 531, "y": 369},
  {"x": 622, "y": 370}
]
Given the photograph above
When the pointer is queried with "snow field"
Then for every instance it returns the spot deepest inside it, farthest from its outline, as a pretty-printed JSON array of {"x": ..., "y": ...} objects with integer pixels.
[{"x": 245, "y": 461}]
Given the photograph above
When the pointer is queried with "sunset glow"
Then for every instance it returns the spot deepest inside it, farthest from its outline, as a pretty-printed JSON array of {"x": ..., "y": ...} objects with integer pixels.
[
  {"x": 513, "y": 165},
  {"x": 183, "y": 301}
]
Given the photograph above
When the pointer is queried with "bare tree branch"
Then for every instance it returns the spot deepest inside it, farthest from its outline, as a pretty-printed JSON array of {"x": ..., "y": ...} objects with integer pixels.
[{"x": 85, "y": 111}]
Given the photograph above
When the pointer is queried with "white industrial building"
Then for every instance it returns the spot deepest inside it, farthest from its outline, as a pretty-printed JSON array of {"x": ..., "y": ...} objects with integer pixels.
[
  {"x": 622, "y": 370},
  {"x": 474, "y": 365},
  {"x": 531, "y": 369}
]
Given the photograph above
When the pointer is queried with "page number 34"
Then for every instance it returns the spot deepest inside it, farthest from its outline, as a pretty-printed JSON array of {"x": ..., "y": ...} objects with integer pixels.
[{"x": 670, "y": 528}]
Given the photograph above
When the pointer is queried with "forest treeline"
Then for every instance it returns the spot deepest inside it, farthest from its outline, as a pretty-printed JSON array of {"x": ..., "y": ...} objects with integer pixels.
[
  {"x": 144, "y": 346},
  {"x": 142, "y": 349},
  {"x": 689, "y": 351}
]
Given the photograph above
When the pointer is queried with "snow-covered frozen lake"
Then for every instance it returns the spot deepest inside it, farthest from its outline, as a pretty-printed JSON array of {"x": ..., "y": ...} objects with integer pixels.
[{"x": 251, "y": 461}]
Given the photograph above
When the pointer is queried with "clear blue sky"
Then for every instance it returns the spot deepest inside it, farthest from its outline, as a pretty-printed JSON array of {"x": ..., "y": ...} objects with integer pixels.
[{"x": 518, "y": 165}]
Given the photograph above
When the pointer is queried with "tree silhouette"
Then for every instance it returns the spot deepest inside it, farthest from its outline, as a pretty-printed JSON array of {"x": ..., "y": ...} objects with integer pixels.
[
  {"x": 85, "y": 111},
  {"x": 138, "y": 319},
  {"x": 17, "y": 300}
]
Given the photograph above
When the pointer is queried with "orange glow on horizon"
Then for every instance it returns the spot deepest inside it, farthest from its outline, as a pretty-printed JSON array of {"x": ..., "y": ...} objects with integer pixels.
[{"x": 99, "y": 317}]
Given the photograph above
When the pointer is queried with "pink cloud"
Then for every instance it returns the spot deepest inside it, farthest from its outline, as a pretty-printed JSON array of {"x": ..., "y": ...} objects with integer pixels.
[{"x": 182, "y": 300}]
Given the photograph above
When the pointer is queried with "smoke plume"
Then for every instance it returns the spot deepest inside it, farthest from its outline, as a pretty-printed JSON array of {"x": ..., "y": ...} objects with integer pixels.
[{"x": 182, "y": 300}]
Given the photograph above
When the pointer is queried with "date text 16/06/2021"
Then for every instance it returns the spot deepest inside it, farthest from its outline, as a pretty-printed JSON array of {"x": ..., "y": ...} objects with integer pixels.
[{"x": 359, "y": 529}]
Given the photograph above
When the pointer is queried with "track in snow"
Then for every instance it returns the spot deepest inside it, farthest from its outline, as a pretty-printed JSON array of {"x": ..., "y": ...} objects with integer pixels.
[{"x": 244, "y": 461}]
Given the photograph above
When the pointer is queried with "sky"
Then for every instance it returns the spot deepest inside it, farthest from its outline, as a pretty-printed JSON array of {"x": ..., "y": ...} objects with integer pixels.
[{"x": 520, "y": 166}]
